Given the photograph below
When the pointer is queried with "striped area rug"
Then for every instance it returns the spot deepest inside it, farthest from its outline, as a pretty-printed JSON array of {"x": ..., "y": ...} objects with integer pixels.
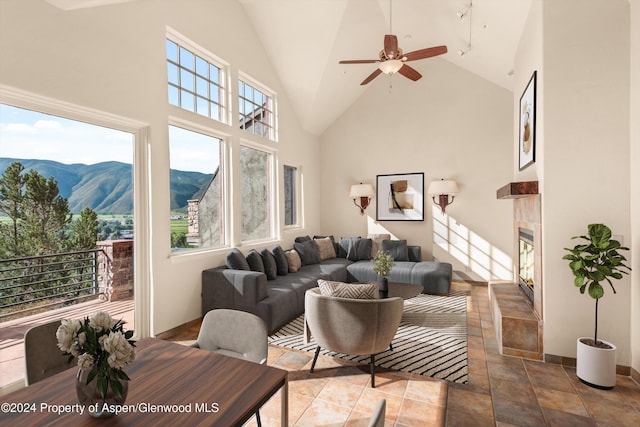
[{"x": 431, "y": 339}]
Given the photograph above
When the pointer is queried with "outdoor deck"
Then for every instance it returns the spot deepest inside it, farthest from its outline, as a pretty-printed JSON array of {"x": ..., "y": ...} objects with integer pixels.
[{"x": 12, "y": 332}]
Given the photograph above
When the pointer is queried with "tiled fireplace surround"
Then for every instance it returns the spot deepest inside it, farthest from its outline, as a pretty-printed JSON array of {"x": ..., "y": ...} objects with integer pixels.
[{"x": 517, "y": 321}]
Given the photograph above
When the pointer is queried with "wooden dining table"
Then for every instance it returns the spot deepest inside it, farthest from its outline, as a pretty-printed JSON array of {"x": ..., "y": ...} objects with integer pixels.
[{"x": 171, "y": 384}]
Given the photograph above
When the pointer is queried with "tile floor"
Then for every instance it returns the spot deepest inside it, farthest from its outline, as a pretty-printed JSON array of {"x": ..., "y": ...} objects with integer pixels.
[{"x": 502, "y": 391}]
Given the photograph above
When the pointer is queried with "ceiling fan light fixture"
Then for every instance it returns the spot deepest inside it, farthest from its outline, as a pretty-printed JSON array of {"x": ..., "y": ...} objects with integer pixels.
[{"x": 390, "y": 66}]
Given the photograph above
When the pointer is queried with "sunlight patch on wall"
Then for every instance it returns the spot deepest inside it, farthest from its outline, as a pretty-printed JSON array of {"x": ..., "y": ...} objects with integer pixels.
[{"x": 471, "y": 249}]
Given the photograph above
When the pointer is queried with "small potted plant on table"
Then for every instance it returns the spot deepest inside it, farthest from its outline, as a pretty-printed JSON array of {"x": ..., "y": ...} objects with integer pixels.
[
  {"x": 382, "y": 264},
  {"x": 592, "y": 263}
]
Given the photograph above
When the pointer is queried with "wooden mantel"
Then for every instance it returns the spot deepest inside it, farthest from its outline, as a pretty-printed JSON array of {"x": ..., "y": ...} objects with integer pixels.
[{"x": 514, "y": 190}]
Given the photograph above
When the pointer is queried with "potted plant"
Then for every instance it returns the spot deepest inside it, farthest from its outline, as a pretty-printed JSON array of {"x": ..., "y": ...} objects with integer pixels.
[
  {"x": 382, "y": 264},
  {"x": 592, "y": 263}
]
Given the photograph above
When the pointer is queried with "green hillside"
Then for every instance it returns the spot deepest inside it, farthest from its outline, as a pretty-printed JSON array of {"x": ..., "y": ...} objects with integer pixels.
[{"x": 107, "y": 187}]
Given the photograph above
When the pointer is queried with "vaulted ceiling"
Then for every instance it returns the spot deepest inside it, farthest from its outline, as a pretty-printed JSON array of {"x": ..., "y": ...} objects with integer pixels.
[{"x": 305, "y": 39}]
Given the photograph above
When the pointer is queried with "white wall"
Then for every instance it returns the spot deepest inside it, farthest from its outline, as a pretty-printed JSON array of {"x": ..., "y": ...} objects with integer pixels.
[
  {"x": 450, "y": 124},
  {"x": 582, "y": 154},
  {"x": 635, "y": 185},
  {"x": 113, "y": 59}
]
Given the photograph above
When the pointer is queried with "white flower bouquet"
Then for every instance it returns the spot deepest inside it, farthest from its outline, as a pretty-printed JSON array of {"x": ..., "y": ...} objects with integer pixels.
[{"x": 101, "y": 346}]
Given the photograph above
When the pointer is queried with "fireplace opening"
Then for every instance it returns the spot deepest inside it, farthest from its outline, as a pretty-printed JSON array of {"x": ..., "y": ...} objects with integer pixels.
[{"x": 526, "y": 262}]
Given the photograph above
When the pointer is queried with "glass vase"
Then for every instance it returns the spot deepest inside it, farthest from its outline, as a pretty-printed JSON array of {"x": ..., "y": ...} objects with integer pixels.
[{"x": 93, "y": 402}]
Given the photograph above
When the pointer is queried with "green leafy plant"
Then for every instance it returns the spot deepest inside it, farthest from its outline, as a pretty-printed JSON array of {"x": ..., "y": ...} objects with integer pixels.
[
  {"x": 382, "y": 264},
  {"x": 596, "y": 261}
]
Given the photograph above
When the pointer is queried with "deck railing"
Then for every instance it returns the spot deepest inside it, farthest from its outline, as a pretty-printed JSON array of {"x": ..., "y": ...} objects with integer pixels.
[{"x": 40, "y": 282}]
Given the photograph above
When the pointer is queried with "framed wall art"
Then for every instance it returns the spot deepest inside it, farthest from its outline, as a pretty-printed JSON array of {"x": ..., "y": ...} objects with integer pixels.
[
  {"x": 527, "y": 134},
  {"x": 400, "y": 197}
]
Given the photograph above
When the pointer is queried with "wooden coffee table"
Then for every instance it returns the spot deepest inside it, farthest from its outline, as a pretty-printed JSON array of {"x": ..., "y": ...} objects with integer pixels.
[{"x": 402, "y": 290}]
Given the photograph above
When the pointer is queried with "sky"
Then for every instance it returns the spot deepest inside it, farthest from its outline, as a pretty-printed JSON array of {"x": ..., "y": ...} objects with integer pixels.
[{"x": 26, "y": 134}]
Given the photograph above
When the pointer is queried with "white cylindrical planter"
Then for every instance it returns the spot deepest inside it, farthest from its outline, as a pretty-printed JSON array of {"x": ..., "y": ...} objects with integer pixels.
[{"x": 595, "y": 366}]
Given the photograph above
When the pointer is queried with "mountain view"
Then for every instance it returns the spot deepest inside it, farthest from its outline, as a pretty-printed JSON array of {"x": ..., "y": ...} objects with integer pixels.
[{"x": 107, "y": 187}]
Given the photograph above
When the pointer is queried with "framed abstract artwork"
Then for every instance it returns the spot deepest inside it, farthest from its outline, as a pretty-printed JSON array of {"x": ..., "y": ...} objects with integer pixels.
[
  {"x": 400, "y": 197},
  {"x": 527, "y": 134}
]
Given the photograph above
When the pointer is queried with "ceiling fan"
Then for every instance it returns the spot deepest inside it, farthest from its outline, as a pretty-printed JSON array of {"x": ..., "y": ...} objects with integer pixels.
[{"x": 392, "y": 59}]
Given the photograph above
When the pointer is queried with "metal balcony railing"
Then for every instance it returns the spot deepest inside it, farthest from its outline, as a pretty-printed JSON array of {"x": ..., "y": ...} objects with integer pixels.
[{"x": 40, "y": 282}]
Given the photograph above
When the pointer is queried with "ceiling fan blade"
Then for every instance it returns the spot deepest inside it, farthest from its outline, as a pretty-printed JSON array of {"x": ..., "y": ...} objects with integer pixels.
[
  {"x": 390, "y": 46},
  {"x": 409, "y": 72},
  {"x": 372, "y": 76},
  {"x": 425, "y": 53},
  {"x": 359, "y": 61}
]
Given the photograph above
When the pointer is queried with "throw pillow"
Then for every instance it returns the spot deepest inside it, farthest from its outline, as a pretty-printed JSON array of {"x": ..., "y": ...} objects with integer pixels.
[
  {"x": 293, "y": 260},
  {"x": 255, "y": 261},
  {"x": 348, "y": 290},
  {"x": 269, "y": 261},
  {"x": 343, "y": 246},
  {"x": 333, "y": 241},
  {"x": 308, "y": 251},
  {"x": 397, "y": 249},
  {"x": 301, "y": 239},
  {"x": 325, "y": 248},
  {"x": 236, "y": 260},
  {"x": 359, "y": 250},
  {"x": 376, "y": 242},
  {"x": 281, "y": 260}
]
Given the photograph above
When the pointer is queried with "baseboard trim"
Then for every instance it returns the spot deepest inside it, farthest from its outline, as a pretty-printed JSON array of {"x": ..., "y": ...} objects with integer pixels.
[
  {"x": 571, "y": 362},
  {"x": 635, "y": 375},
  {"x": 172, "y": 332}
]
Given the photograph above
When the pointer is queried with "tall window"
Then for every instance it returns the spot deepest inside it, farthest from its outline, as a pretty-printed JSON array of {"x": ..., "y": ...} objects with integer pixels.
[
  {"x": 256, "y": 111},
  {"x": 290, "y": 196},
  {"x": 255, "y": 182},
  {"x": 196, "y": 191},
  {"x": 195, "y": 83}
]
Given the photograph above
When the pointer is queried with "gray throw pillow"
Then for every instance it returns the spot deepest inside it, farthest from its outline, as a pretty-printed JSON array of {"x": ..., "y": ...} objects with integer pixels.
[
  {"x": 255, "y": 261},
  {"x": 308, "y": 251},
  {"x": 343, "y": 246},
  {"x": 301, "y": 239},
  {"x": 269, "y": 261},
  {"x": 282, "y": 264},
  {"x": 236, "y": 260},
  {"x": 359, "y": 250},
  {"x": 397, "y": 249}
]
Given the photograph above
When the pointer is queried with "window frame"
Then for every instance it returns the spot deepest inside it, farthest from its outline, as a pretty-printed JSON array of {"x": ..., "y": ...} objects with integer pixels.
[
  {"x": 270, "y": 94},
  {"x": 297, "y": 195},
  {"x": 224, "y": 185},
  {"x": 223, "y": 84},
  {"x": 271, "y": 190}
]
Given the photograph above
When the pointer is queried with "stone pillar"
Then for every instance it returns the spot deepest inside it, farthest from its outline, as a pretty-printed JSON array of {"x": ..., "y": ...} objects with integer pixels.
[
  {"x": 193, "y": 220},
  {"x": 115, "y": 269}
]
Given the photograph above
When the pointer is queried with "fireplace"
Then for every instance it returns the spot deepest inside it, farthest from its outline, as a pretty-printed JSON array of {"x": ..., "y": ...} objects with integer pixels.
[{"x": 526, "y": 262}]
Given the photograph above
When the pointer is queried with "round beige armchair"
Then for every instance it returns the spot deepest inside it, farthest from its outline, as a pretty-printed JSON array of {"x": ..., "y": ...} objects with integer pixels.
[{"x": 351, "y": 326}]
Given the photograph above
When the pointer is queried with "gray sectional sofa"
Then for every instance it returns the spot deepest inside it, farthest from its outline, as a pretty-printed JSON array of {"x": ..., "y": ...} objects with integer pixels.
[{"x": 279, "y": 298}]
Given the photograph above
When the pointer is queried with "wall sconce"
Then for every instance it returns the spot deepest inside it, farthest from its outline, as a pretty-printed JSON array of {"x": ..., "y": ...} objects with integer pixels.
[
  {"x": 443, "y": 189},
  {"x": 361, "y": 191}
]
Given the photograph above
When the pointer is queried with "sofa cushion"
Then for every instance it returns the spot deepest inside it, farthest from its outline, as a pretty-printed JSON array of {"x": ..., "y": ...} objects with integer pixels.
[
  {"x": 397, "y": 249},
  {"x": 281, "y": 260},
  {"x": 293, "y": 260},
  {"x": 326, "y": 249},
  {"x": 269, "y": 261},
  {"x": 333, "y": 240},
  {"x": 308, "y": 251},
  {"x": 359, "y": 250},
  {"x": 254, "y": 259},
  {"x": 348, "y": 290},
  {"x": 301, "y": 239},
  {"x": 236, "y": 260},
  {"x": 376, "y": 242}
]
